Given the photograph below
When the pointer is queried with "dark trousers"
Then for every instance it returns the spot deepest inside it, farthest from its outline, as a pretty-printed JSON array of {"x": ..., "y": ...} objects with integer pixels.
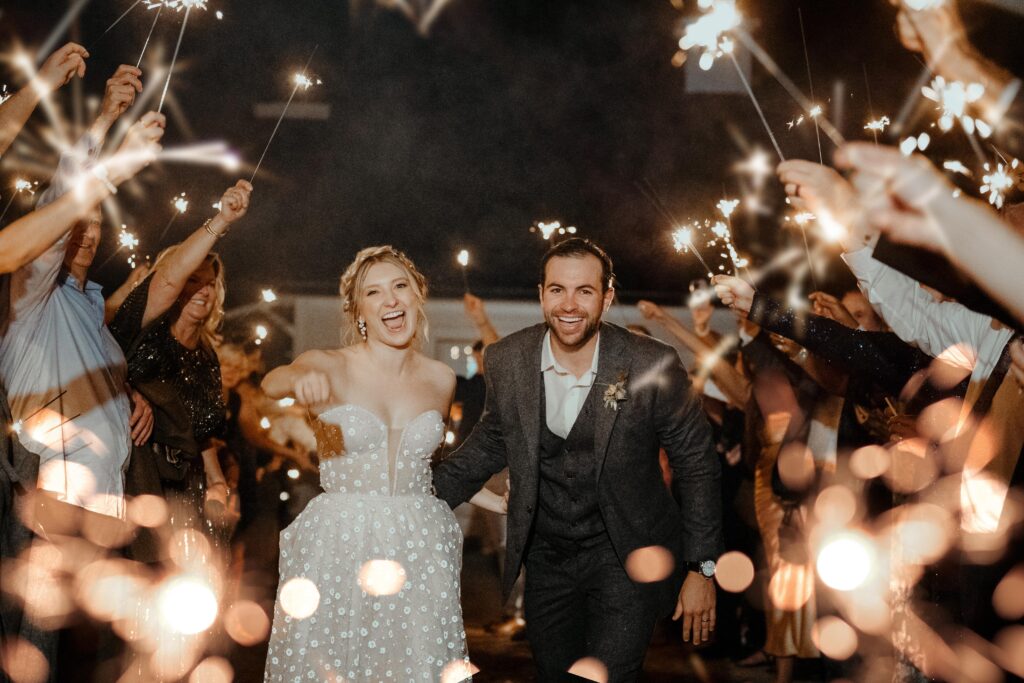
[{"x": 580, "y": 603}]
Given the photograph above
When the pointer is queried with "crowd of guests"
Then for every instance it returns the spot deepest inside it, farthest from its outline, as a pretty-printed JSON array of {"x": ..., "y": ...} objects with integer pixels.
[{"x": 138, "y": 434}]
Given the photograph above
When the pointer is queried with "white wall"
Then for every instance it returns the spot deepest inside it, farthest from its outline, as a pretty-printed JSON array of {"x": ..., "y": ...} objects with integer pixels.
[{"x": 318, "y": 324}]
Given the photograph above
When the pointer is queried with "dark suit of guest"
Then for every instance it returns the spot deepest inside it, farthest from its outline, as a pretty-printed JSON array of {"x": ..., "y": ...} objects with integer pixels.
[{"x": 581, "y": 503}]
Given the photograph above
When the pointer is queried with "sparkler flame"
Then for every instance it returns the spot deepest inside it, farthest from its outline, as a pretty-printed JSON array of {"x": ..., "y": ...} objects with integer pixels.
[
  {"x": 707, "y": 32},
  {"x": 127, "y": 239},
  {"x": 180, "y": 203},
  {"x": 996, "y": 183},
  {"x": 682, "y": 239},
  {"x": 177, "y": 5},
  {"x": 21, "y": 185},
  {"x": 546, "y": 230},
  {"x": 261, "y": 332},
  {"x": 954, "y": 98},
  {"x": 463, "y": 258},
  {"x": 878, "y": 125},
  {"x": 269, "y": 296},
  {"x": 727, "y": 206}
]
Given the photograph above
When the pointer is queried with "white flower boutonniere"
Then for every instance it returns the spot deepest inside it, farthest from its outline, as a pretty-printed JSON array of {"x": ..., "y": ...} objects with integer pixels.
[{"x": 615, "y": 393}]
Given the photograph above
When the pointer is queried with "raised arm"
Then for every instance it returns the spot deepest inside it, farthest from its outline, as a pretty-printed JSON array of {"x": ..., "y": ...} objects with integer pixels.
[
  {"x": 172, "y": 274},
  {"x": 478, "y": 314},
  {"x": 58, "y": 69},
  {"x": 303, "y": 379},
  {"x": 729, "y": 380},
  {"x": 37, "y": 240}
]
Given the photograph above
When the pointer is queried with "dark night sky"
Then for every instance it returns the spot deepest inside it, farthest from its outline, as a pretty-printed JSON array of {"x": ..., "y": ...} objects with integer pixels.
[{"x": 510, "y": 112}]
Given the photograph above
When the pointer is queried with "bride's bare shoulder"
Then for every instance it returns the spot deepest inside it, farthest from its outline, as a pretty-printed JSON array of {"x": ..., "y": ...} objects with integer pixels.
[{"x": 440, "y": 374}]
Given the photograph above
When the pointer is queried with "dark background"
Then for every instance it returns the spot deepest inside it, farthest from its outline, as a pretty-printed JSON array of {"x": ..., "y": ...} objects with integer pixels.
[{"x": 511, "y": 111}]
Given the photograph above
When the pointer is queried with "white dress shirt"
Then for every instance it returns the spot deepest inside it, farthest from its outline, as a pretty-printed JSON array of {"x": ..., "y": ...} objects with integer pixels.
[
  {"x": 954, "y": 333},
  {"x": 564, "y": 393}
]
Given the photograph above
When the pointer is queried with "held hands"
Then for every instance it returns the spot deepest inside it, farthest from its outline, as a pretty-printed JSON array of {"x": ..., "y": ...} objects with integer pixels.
[
  {"x": 235, "y": 202},
  {"x": 312, "y": 388},
  {"x": 734, "y": 292},
  {"x": 120, "y": 93},
  {"x": 140, "y": 148},
  {"x": 696, "y": 605},
  {"x": 60, "y": 67}
]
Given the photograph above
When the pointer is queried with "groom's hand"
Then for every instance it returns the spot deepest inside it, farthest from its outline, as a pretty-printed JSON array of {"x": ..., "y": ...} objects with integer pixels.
[{"x": 697, "y": 608}]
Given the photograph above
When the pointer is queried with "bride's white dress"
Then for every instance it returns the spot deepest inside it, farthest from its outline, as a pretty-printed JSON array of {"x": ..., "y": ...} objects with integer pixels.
[{"x": 372, "y": 623}]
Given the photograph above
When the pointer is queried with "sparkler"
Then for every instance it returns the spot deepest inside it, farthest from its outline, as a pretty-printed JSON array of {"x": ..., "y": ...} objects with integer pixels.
[
  {"x": 682, "y": 241},
  {"x": 996, "y": 183},
  {"x": 178, "y": 5},
  {"x": 815, "y": 111},
  {"x": 801, "y": 220},
  {"x": 757, "y": 105},
  {"x": 269, "y": 296},
  {"x": 547, "y": 230},
  {"x": 125, "y": 240},
  {"x": 463, "y": 260},
  {"x": 301, "y": 81},
  {"x": 261, "y": 333},
  {"x": 20, "y": 186},
  {"x": 877, "y": 126},
  {"x": 707, "y": 31},
  {"x": 180, "y": 204},
  {"x": 148, "y": 37}
]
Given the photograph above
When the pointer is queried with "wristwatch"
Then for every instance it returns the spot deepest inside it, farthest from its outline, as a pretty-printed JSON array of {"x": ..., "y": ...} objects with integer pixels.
[{"x": 705, "y": 568}]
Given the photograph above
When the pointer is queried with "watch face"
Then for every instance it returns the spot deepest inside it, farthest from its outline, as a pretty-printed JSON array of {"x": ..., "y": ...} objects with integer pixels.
[{"x": 707, "y": 568}]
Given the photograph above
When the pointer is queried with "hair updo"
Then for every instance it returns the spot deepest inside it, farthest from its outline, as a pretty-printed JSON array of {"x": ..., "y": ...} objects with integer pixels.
[{"x": 352, "y": 284}]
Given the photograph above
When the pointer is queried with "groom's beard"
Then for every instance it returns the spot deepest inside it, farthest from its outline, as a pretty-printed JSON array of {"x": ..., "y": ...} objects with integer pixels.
[{"x": 575, "y": 340}]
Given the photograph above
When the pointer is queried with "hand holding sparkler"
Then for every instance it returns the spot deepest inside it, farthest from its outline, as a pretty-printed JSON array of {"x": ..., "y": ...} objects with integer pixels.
[
  {"x": 900, "y": 195},
  {"x": 140, "y": 147},
  {"x": 235, "y": 202},
  {"x": 119, "y": 94},
  {"x": 59, "y": 68},
  {"x": 818, "y": 189},
  {"x": 734, "y": 293}
]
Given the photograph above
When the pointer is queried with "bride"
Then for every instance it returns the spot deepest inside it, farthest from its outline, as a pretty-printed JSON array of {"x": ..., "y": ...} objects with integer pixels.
[{"x": 369, "y": 586}]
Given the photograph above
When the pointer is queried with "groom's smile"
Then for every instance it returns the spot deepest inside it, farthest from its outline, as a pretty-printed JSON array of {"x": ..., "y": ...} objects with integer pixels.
[{"x": 573, "y": 299}]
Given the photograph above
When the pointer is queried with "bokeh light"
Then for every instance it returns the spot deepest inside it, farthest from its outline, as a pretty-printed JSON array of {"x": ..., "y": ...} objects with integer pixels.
[
  {"x": 212, "y": 670},
  {"x": 869, "y": 462},
  {"x": 246, "y": 623},
  {"x": 381, "y": 577},
  {"x": 650, "y": 564},
  {"x": 186, "y": 604},
  {"x": 591, "y": 669},
  {"x": 845, "y": 560},
  {"x": 299, "y": 597},
  {"x": 835, "y": 638},
  {"x": 835, "y": 506},
  {"x": 734, "y": 572},
  {"x": 148, "y": 511}
]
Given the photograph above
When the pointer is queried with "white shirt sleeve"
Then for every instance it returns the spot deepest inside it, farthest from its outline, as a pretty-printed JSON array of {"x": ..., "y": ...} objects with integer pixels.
[{"x": 949, "y": 330}]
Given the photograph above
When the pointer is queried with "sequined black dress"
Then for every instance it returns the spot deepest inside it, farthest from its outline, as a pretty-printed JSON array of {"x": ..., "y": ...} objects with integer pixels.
[{"x": 184, "y": 388}]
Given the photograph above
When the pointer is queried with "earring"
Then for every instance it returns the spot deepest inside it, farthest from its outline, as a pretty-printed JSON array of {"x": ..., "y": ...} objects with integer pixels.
[{"x": 361, "y": 324}]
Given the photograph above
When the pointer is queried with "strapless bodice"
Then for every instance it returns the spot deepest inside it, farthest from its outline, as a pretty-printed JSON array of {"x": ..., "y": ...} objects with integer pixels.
[{"x": 359, "y": 454}]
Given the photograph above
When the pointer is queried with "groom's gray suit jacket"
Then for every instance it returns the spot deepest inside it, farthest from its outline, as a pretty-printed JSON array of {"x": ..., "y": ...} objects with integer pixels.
[{"x": 659, "y": 410}]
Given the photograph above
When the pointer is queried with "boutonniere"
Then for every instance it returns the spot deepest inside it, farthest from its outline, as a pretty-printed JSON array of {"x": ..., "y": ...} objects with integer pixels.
[{"x": 615, "y": 393}]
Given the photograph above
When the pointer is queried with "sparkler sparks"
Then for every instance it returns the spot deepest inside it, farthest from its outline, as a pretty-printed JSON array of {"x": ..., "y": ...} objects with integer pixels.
[
  {"x": 957, "y": 167},
  {"x": 707, "y": 32},
  {"x": 268, "y": 296},
  {"x": 918, "y": 144},
  {"x": 727, "y": 206},
  {"x": 954, "y": 98},
  {"x": 126, "y": 239},
  {"x": 261, "y": 333},
  {"x": 548, "y": 229},
  {"x": 682, "y": 241},
  {"x": 996, "y": 183},
  {"x": 878, "y": 125},
  {"x": 301, "y": 81},
  {"x": 180, "y": 204}
]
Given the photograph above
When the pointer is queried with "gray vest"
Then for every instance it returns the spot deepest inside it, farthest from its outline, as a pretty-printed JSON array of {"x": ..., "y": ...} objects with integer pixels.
[{"x": 567, "y": 507}]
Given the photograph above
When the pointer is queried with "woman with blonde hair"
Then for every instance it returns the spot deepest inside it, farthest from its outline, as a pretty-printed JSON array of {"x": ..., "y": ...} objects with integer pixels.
[
  {"x": 168, "y": 328},
  {"x": 383, "y": 553}
]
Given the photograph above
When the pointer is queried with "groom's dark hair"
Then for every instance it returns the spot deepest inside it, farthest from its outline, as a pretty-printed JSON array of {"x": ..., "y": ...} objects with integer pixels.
[{"x": 578, "y": 247}]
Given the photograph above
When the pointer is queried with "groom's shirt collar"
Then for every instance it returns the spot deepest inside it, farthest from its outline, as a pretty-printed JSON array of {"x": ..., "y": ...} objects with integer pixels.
[
  {"x": 564, "y": 394},
  {"x": 549, "y": 363}
]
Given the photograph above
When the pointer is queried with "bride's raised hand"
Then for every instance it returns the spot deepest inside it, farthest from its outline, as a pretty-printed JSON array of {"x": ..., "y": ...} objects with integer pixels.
[{"x": 312, "y": 388}]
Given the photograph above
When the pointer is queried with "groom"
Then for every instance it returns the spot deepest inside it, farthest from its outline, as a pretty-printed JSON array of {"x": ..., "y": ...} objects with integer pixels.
[{"x": 577, "y": 410}]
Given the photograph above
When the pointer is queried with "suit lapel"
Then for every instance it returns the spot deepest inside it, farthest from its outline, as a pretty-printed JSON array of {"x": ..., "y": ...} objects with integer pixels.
[
  {"x": 612, "y": 367},
  {"x": 528, "y": 391}
]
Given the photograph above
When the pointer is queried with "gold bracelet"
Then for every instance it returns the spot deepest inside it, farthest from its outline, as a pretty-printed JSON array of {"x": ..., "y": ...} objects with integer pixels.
[{"x": 207, "y": 228}]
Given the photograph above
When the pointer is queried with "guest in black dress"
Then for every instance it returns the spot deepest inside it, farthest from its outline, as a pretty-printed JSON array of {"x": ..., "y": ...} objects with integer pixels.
[{"x": 168, "y": 329}]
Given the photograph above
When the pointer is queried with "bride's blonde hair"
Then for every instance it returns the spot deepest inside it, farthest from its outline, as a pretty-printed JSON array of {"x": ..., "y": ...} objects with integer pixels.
[{"x": 352, "y": 284}]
